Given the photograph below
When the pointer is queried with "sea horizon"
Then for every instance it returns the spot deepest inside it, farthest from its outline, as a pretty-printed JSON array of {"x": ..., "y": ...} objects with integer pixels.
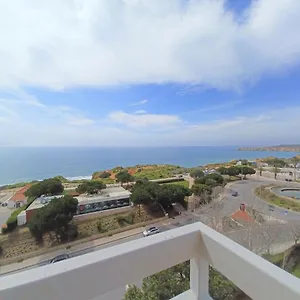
[{"x": 22, "y": 164}]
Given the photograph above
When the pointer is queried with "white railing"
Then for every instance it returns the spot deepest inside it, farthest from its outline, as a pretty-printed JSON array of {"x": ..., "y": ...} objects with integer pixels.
[{"x": 92, "y": 275}]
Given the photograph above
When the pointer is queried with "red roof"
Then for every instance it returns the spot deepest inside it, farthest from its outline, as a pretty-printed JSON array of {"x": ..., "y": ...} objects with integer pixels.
[
  {"x": 19, "y": 195},
  {"x": 242, "y": 215}
]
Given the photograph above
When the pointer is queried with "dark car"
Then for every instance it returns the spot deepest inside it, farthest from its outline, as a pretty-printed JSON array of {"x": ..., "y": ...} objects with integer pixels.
[
  {"x": 59, "y": 258},
  {"x": 235, "y": 194}
]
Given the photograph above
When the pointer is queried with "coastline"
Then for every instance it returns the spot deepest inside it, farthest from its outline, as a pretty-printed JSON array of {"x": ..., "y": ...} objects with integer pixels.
[{"x": 29, "y": 164}]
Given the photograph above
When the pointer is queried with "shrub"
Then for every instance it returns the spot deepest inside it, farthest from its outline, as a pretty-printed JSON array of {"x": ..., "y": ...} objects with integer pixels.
[{"x": 100, "y": 227}]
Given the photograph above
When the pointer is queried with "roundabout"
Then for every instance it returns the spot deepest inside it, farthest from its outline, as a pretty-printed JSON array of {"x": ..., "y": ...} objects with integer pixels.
[{"x": 292, "y": 193}]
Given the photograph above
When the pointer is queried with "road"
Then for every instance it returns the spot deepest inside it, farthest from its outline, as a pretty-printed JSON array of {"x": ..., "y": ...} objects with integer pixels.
[
  {"x": 4, "y": 211},
  {"x": 254, "y": 238}
]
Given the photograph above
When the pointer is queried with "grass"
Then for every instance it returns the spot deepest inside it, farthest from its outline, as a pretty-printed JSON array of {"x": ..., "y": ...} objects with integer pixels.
[
  {"x": 183, "y": 183},
  {"x": 156, "y": 172},
  {"x": 296, "y": 271},
  {"x": 265, "y": 193},
  {"x": 275, "y": 259}
]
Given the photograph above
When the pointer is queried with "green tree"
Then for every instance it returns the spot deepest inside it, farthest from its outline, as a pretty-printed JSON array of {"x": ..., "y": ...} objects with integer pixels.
[
  {"x": 140, "y": 196},
  {"x": 91, "y": 187},
  {"x": 54, "y": 217},
  {"x": 233, "y": 171},
  {"x": 222, "y": 170},
  {"x": 51, "y": 186},
  {"x": 245, "y": 170},
  {"x": 196, "y": 173},
  {"x": 124, "y": 177},
  {"x": 201, "y": 189},
  {"x": 174, "y": 281},
  {"x": 104, "y": 175}
]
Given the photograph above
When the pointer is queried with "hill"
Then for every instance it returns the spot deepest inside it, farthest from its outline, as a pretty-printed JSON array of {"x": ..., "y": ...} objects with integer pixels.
[{"x": 279, "y": 148}]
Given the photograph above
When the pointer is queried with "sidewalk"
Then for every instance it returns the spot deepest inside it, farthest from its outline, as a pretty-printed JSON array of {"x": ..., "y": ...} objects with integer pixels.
[
  {"x": 47, "y": 256},
  {"x": 39, "y": 260}
]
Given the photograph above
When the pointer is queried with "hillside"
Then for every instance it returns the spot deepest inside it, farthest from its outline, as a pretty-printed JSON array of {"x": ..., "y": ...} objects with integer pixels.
[{"x": 279, "y": 148}]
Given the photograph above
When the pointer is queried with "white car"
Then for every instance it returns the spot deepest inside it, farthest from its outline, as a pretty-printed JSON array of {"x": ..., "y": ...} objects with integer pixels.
[{"x": 151, "y": 231}]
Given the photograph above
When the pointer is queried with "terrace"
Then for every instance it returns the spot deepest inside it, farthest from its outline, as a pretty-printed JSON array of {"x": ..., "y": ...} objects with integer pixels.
[{"x": 90, "y": 276}]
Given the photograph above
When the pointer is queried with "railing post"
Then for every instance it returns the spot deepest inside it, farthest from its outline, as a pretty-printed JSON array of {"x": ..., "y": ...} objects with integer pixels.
[{"x": 199, "y": 276}]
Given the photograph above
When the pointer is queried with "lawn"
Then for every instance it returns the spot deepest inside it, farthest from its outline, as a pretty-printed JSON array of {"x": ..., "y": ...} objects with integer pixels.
[
  {"x": 183, "y": 183},
  {"x": 156, "y": 172},
  {"x": 265, "y": 193}
]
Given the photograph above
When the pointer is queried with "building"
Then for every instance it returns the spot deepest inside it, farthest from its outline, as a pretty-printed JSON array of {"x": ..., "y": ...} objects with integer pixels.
[
  {"x": 110, "y": 198},
  {"x": 113, "y": 197},
  {"x": 97, "y": 274},
  {"x": 35, "y": 205},
  {"x": 18, "y": 199}
]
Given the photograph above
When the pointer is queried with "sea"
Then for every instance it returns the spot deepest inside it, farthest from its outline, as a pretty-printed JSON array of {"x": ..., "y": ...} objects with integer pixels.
[{"x": 27, "y": 164}]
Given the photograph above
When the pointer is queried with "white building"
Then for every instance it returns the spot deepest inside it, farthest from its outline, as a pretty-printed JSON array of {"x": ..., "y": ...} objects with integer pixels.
[
  {"x": 94, "y": 275},
  {"x": 18, "y": 199}
]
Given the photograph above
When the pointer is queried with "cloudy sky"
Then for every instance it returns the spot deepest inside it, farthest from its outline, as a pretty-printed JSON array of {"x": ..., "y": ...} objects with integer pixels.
[{"x": 141, "y": 72}]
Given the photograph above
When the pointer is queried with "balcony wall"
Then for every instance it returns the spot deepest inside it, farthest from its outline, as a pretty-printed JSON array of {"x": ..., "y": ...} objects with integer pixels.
[{"x": 89, "y": 276}]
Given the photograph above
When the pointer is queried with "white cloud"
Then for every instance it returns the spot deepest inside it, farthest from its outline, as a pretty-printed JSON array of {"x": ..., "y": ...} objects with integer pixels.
[
  {"x": 142, "y": 102},
  {"x": 61, "y": 44},
  {"x": 140, "y": 112},
  {"x": 145, "y": 120}
]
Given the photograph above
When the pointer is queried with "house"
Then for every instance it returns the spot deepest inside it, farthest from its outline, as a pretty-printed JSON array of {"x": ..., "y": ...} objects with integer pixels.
[{"x": 18, "y": 199}]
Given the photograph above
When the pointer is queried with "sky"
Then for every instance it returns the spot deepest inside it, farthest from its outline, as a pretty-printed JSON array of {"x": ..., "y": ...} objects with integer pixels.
[{"x": 149, "y": 72}]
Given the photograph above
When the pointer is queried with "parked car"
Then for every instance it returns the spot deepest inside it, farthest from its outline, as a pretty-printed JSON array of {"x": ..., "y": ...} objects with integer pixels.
[
  {"x": 59, "y": 258},
  {"x": 150, "y": 231},
  {"x": 235, "y": 194}
]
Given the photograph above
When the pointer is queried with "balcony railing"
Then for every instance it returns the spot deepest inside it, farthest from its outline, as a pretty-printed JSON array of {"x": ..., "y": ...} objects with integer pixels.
[{"x": 89, "y": 276}]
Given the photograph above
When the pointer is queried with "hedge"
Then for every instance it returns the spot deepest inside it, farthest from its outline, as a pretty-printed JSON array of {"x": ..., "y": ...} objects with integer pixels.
[{"x": 12, "y": 221}]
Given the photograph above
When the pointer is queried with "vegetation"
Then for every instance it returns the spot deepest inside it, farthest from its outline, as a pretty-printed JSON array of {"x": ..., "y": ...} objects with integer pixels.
[
  {"x": 54, "y": 217},
  {"x": 124, "y": 177},
  {"x": 150, "y": 193},
  {"x": 176, "y": 280},
  {"x": 275, "y": 162},
  {"x": 242, "y": 170},
  {"x": 183, "y": 183},
  {"x": 51, "y": 186},
  {"x": 196, "y": 173},
  {"x": 91, "y": 187},
  {"x": 265, "y": 193}
]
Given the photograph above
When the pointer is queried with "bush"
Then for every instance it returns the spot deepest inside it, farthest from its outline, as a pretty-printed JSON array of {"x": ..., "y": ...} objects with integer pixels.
[
  {"x": 100, "y": 228},
  {"x": 123, "y": 220}
]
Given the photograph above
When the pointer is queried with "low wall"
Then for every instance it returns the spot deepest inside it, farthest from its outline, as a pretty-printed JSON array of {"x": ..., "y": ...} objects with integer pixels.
[{"x": 103, "y": 213}]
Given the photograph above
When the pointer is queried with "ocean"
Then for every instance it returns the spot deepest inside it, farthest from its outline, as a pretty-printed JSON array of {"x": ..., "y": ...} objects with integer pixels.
[{"x": 27, "y": 164}]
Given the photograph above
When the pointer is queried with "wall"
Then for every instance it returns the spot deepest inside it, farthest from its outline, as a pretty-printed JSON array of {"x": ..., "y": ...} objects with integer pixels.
[{"x": 103, "y": 213}]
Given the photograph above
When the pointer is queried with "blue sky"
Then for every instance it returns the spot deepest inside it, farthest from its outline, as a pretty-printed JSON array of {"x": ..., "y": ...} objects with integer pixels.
[{"x": 149, "y": 73}]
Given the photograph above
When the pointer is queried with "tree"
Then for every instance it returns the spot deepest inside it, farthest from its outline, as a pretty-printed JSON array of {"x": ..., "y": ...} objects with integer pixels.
[
  {"x": 233, "y": 171},
  {"x": 245, "y": 170},
  {"x": 140, "y": 196},
  {"x": 51, "y": 186},
  {"x": 296, "y": 231},
  {"x": 91, "y": 187},
  {"x": 104, "y": 175},
  {"x": 54, "y": 217},
  {"x": 124, "y": 177},
  {"x": 196, "y": 173},
  {"x": 174, "y": 281},
  {"x": 295, "y": 160},
  {"x": 222, "y": 171},
  {"x": 275, "y": 170}
]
